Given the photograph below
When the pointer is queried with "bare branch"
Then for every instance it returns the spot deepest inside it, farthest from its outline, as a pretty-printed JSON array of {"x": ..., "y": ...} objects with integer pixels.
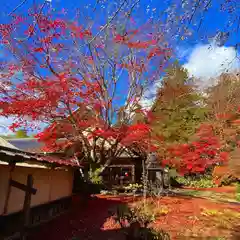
[{"x": 18, "y": 6}]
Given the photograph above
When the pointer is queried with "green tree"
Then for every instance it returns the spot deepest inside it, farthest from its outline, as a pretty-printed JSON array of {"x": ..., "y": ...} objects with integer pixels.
[
  {"x": 178, "y": 108},
  {"x": 21, "y": 133}
]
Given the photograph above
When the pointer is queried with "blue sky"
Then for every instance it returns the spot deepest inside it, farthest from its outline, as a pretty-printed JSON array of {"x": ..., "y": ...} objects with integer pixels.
[{"x": 199, "y": 53}]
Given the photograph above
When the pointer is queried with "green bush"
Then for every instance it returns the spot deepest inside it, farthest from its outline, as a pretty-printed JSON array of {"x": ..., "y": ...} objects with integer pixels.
[
  {"x": 204, "y": 182},
  {"x": 140, "y": 212},
  {"x": 87, "y": 187},
  {"x": 133, "y": 187},
  {"x": 94, "y": 176}
]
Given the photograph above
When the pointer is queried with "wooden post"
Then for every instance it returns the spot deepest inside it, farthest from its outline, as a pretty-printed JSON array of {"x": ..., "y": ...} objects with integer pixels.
[
  {"x": 27, "y": 206},
  {"x": 133, "y": 174},
  {"x": 29, "y": 190},
  {"x": 169, "y": 181},
  {"x": 27, "y": 201},
  {"x": 110, "y": 178},
  {"x": 162, "y": 181},
  {"x": 121, "y": 177}
]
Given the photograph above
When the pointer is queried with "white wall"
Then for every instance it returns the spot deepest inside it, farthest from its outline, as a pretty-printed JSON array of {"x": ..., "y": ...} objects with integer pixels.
[{"x": 50, "y": 184}]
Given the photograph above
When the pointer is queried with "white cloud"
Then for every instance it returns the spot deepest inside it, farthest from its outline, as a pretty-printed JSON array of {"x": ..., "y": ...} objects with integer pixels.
[
  {"x": 4, "y": 126},
  {"x": 147, "y": 100},
  {"x": 208, "y": 61},
  {"x": 149, "y": 95}
]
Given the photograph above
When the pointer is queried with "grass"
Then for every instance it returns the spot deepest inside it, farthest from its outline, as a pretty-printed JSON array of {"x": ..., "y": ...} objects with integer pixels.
[
  {"x": 224, "y": 219},
  {"x": 215, "y": 196},
  {"x": 238, "y": 192},
  {"x": 216, "y": 224}
]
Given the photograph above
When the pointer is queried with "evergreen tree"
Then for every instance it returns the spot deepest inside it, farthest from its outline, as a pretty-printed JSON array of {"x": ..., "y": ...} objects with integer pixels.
[{"x": 177, "y": 109}]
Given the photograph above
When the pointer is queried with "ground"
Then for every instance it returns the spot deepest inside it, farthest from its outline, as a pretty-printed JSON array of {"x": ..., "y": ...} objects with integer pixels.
[{"x": 183, "y": 217}]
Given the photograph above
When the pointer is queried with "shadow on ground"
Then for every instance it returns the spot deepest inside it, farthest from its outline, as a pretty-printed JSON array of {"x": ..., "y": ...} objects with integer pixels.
[{"x": 81, "y": 223}]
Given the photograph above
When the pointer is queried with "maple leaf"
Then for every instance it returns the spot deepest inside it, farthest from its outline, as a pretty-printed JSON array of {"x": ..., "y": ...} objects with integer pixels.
[{"x": 38, "y": 49}]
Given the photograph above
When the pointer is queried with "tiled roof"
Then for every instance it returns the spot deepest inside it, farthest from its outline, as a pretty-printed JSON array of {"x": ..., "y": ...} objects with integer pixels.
[
  {"x": 5, "y": 143},
  {"x": 27, "y": 144},
  {"x": 8, "y": 154}
]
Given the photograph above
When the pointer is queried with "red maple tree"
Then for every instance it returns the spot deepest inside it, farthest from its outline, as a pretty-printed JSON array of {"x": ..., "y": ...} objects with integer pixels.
[
  {"x": 86, "y": 81},
  {"x": 83, "y": 80},
  {"x": 197, "y": 156}
]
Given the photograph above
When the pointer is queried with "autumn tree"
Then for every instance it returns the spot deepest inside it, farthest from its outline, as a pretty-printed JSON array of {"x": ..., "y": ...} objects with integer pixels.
[
  {"x": 190, "y": 144},
  {"x": 224, "y": 95},
  {"x": 80, "y": 76},
  {"x": 223, "y": 101},
  {"x": 178, "y": 125},
  {"x": 177, "y": 109},
  {"x": 217, "y": 139}
]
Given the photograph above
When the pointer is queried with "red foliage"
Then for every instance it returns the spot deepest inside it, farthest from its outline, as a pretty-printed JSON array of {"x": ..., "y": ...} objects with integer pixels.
[
  {"x": 5, "y": 30},
  {"x": 156, "y": 51},
  {"x": 223, "y": 116},
  {"x": 133, "y": 67},
  {"x": 79, "y": 32},
  {"x": 199, "y": 155},
  {"x": 38, "y": 49},
  {"x": 68, "y": 79},
  {"x": 120, "y": 39},
  {"x": 30, "y": 30},
  {"x": 142, "y": 45}
]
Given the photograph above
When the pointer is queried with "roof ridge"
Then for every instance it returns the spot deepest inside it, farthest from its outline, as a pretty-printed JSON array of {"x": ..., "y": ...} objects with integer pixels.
[{"x": 30, "y": 138}]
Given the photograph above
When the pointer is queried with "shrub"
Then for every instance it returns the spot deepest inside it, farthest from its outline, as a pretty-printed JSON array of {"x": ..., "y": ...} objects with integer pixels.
[
  {"x": 149, "y": 234},
  {"x": 135, "y": 221},
  {"x": 94, "y": 176},
  {"x": 133, "y": 187},
  {"x": 204, "y": 182},
  {"x": 139, "y": 213},
  {"x": 87, "y": 188}
]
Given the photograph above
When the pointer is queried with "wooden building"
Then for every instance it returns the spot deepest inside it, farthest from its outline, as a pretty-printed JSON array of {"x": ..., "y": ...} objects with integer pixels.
[
  {"x": 33, "y": 187},
  {"x": 128, "y": 169},
  {"x": 123, "y": 170}
]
